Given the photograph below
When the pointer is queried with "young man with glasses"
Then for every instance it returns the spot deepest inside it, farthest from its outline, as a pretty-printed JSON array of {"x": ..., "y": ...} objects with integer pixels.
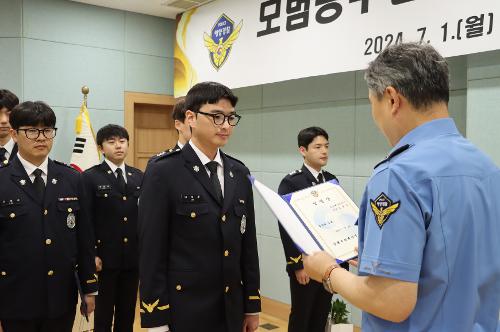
[
  {"x": 198, "y": 259},
  {"x": 8, "y": 148},
  {"x": 113, "y": 190},
  {"x": 45, "y": 237}
]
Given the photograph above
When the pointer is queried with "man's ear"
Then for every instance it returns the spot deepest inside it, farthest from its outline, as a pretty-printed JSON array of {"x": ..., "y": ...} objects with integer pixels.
[
  {"x": 13, "y": 134},
  {"x": 394, "y": 98},
  {"x": 190, "y": 118},
  {"x": 302, "y": 151}
]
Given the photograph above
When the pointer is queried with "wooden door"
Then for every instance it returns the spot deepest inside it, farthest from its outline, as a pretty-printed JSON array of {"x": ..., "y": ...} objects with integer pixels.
[{"x": 148, "y": 119}]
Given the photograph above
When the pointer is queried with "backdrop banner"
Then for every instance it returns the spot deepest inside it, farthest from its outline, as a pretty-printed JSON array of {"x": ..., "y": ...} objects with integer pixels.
[{"x": 250, "y": 42}]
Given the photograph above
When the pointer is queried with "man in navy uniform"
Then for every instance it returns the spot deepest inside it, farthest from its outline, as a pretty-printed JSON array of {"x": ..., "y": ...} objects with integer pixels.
[
  {"x": 198, "y": 264},
  {"x": 429, "y": 221},
  {"x": 113, "y": 190},
  {"x": 8, "y": 148},
  {"x": 310, "y": 301},
  {"x": 182, "y": 127},
  {"x": 46, "y": 244}
]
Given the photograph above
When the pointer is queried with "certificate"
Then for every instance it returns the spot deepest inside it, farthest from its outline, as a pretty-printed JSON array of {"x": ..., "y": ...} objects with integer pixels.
[{"x": 322, "y": 217}]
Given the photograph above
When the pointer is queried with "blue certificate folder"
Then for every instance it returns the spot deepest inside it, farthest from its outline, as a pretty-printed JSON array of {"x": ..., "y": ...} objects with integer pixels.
[{"x": 318, "y": 218}]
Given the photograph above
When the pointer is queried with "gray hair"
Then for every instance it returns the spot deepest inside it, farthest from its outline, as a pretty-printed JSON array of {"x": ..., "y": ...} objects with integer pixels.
[{"x": 417, "y": 71}]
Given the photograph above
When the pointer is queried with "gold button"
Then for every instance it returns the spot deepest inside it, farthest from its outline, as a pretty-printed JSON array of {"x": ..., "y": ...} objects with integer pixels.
[
  {"x": 223, "y": 218},
  {"x": 4, "y": 273},
  {"x": 70, "y": 210},
  {"x": 105, "y": 195},
  {"x": 45, "y": 212},
  {"x": 12, "y": 215},
  {"x": 226, "y": 253},
  {"x": 50, "y": 273},
  {"x": 48, "y": 242},
  {"x": 193, "y": 215},
  {"x": 125, "y": 219},
  {"x": 98, "y": 241},
  {"x": 124, "y": 198},
  {"x": 125, "y": 240},
  {"x": 178, "y": 287},
  {"x": 227, "y": 289}
]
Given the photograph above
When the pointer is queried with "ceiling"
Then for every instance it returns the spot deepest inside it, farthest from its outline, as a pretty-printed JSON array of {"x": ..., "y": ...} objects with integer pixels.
[{"x": 162, "y": 8}]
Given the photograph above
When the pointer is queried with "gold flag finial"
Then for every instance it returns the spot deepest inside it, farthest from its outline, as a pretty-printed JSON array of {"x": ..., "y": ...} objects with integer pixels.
[{"x": 85, "y": 91}]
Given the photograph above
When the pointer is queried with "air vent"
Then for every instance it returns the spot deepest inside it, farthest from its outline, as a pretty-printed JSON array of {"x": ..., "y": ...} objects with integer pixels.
[{"x": 185, "y": 4}]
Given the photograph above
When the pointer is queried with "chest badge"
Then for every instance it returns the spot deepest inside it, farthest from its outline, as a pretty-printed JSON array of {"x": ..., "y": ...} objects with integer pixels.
[
  {"x": 196, "y": 168},
  {"x": 71, "y": 221},
  {"x": 22, "y": 182},
  {"x": 54, "y": 181},
  {"x": 383, "y": 207},
  {"x": 231, "y": 174},
  {"x": 243, "y": 224}
]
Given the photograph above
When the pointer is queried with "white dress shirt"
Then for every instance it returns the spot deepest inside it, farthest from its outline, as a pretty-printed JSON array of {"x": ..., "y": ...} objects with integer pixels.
[
  {"x": 314, "y": 172},
  {"x": 115, "y": 167},
  {"x": 30, "y": 168},
  {"x": 204, "y": 160},
  {"x": 8, "y": 148},
  {"x": 180, "y": 145}
]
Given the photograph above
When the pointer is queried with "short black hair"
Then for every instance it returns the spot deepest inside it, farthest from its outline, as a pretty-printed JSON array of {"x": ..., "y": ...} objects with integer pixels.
[
  {"x": 8, "y": 100},
  {"x": 307, "y": 135},
  {"x": 208, "y": 93},
  {"x": 110, "y": 131},
  {"x": 179, "y": 111},
  {"x": 32, "y": 113}
]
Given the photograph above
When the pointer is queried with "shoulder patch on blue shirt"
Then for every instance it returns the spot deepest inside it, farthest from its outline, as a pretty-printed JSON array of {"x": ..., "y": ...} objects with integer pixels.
[{"x": 383, "y": 207}]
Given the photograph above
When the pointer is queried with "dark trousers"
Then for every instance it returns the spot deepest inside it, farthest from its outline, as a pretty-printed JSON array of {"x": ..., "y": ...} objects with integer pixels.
[
  {"x": 310, "y": 306},
  {"x": 118, "y": 296},
  {"x": 63, "y": 323}
]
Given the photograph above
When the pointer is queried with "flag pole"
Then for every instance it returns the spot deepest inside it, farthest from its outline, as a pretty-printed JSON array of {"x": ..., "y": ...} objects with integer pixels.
[{"x": 85, "y": 91}]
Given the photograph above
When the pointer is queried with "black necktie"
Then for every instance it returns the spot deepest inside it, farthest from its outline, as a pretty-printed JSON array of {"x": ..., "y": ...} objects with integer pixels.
[
  {"x": 39, "y": 184},
  {"x": 321, "y": 179},
  {"x": 122, "y": 185},
  {"x": 2, "y": 154},
  {"x": 212, "y": 167}
]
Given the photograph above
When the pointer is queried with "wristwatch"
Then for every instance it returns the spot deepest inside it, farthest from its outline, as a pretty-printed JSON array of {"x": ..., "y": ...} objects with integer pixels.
[{"x": 326, "y": 278}]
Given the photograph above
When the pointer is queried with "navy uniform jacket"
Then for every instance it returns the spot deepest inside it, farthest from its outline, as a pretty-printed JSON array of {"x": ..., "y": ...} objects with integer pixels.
[
  {"x": 114, "y": 215},
  {"x": 297, "y": 180},
  {"x": 42, "y": 243},
  {"x": 11, "y": 157},
  {"x": 156, "y": 156},
  {"x": 198, "y": 259}
]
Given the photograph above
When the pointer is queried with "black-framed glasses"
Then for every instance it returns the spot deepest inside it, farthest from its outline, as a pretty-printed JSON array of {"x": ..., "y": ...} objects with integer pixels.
[
  {"x": 220, "y": 118},
  {"x": 34, "y": 133}
]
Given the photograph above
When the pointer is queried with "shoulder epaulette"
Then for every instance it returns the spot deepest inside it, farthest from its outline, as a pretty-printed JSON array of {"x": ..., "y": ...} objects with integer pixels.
[
  {"x": 165, "y": 154},
  {"x": 63, "y": 164},
  {"x": 232, "y": 158},
  {"x": 393, "y": 154},
  {"x": 297, "y": 171}
]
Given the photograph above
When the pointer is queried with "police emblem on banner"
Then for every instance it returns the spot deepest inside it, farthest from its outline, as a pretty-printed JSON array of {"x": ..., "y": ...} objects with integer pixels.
[
  {"x": 383, "y": 207},
  {"x": 221, "y": 39}
]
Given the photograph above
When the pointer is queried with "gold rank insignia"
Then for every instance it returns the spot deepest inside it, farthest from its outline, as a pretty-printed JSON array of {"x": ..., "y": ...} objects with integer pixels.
[{"x": 383, "y": 207}]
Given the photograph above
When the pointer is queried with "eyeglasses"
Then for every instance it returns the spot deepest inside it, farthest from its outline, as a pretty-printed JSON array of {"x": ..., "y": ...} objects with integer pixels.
[
  {"x": 34, "y": 133},
  {"x": 220, "y": 118}
]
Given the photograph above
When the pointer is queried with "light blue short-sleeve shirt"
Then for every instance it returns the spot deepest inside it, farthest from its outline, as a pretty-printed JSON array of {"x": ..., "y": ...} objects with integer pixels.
[{"x": 431, "y": 215}]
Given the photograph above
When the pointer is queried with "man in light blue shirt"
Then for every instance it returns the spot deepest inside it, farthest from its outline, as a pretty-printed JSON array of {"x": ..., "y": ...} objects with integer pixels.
[{"x": 429, "y": 222}]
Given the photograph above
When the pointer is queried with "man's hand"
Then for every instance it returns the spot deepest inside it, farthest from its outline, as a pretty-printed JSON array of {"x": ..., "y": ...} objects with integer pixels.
[
  {"x": 316, "y": 264},
  {"x": 98, "y": 264},
  {"x": 1, "y": 330},
  {"x": 90, "y": 302},
  {"x": 251, "y": 323},
  {"x": 354, "y": 262},
  {"x": 302, "y": 277}
]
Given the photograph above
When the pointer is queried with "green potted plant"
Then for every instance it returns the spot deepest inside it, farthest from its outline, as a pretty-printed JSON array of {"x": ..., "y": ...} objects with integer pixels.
[{"x": 338, "y": 318}]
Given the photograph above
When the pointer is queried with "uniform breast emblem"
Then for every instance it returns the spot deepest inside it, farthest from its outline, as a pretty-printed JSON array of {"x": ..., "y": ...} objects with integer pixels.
[
  {"x": 71, "y": 221},
  {"x": 383, "y": 207},
  {"x": 196, "y": 168},
  {"x": 243, "y": 224},
  {"x": 54, "y": 181},
  {"x": 22, "y": 182}
]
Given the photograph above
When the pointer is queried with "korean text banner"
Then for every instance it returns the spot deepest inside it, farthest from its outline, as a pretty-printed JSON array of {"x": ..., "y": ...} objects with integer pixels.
[{"x": 250, "y": 42}]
